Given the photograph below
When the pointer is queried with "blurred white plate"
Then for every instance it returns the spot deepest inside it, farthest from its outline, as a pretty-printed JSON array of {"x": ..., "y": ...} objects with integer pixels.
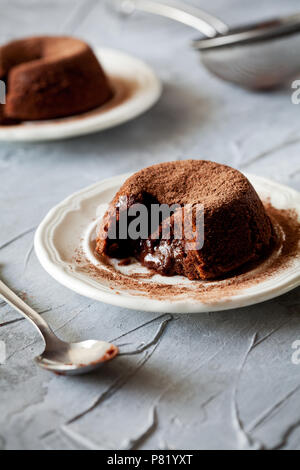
[
  {"x": 136, "y": 89},
  {"x": 70, "y": 226}
]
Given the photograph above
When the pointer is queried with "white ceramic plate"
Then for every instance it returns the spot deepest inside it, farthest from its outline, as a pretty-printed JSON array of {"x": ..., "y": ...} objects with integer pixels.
[
  {"x": 137, "y": 89},
  {"x": 69, "y": 227}
]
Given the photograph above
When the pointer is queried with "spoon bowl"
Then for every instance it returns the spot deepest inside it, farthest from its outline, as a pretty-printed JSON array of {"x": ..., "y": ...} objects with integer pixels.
[{"x": 76, "y": 358}]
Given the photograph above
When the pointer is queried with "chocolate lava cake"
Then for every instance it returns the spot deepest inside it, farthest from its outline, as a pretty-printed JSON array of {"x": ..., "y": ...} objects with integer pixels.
[
  {"x": 50, "y": 77},
  {"x": 237, "y": 228}
]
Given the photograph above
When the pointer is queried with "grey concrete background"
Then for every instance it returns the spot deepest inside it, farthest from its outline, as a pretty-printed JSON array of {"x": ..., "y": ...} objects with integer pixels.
[{"x": 214, "y": 381}]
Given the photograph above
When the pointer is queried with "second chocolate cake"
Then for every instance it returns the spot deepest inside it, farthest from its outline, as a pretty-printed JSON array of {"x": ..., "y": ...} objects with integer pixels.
[
  {"x": 237, "y": 228},
  {"x": 50, "y": 77}
]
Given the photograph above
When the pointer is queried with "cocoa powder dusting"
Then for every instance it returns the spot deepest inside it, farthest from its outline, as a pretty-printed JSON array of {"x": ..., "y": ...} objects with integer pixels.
[{"x": 285, "y": 251}]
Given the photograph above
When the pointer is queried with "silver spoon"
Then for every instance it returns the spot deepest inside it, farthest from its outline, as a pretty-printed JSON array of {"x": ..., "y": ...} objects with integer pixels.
[
  {"x": 259, "y": 56},
  {"x": 58, "y": 356}
]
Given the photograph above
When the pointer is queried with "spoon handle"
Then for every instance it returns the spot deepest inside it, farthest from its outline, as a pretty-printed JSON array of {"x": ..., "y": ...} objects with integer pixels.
[
  {"x": 18, "y": 304},
  {"x": 188, "y": 15}
]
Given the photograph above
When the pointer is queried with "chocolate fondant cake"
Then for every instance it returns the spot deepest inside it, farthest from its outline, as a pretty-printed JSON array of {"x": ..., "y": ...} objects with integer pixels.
[
  {"x": 236, "y": 227},
  {"x": 51, "y": 77}
]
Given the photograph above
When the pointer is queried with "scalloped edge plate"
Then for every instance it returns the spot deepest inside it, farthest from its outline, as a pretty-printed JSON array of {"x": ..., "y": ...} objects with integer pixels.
[
  {"x": 147, "y": 90},
  {"x": 69, "y": 225}
]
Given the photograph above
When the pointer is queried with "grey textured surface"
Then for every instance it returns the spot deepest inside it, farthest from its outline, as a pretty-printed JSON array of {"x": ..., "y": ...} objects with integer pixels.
[{"x": 221, "y": 381}]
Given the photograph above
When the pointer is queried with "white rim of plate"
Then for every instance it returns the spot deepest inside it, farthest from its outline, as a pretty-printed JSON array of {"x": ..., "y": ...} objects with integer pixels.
[
  {"x": 115, "y": 63},
  {"x": 52, "y": 260}
]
